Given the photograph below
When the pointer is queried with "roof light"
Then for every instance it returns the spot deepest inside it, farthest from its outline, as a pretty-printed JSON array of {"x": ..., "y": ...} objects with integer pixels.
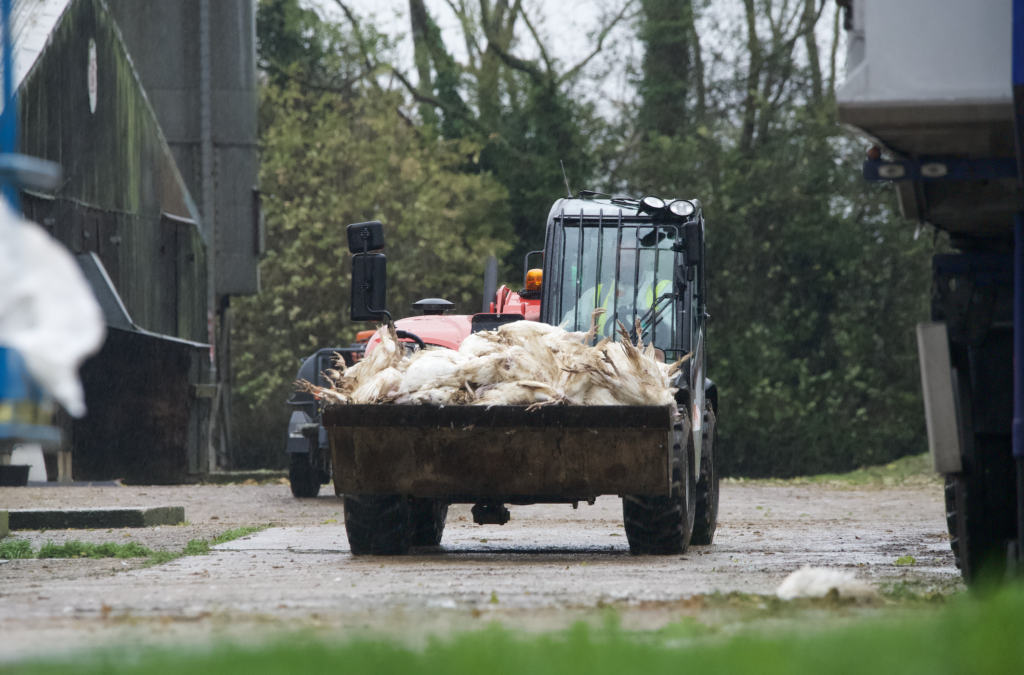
[
  {"x": 533, "y": 280},
  {"x": 681, "y": 207},
  {"x": 651, "y": 204}
]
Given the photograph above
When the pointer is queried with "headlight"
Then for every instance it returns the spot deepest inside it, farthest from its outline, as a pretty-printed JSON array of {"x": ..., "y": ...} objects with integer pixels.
[
  {"x": 681, "y": 207},
  {"x": 650, "y": 204}
]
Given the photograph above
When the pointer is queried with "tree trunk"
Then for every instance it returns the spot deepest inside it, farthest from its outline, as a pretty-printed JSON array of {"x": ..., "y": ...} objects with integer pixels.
[
  {"x": 753, "y": 79},
  {"x": 421, "y": 54},
  {"x": 811, "y": 41},
  {"x": 832, "y": 58},
  {"x": 665, "y": 88}
]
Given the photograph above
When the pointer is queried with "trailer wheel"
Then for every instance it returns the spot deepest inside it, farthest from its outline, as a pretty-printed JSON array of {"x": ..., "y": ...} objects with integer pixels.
[
  {"x": 981, "y": 510},
  {"x": 378, "y": 524},
  {"x": 705, "y": 519},
  {"x": 664, "y": 525},
  {"x": 303, "y": 476},
  {"x": 427, "y": 517}
]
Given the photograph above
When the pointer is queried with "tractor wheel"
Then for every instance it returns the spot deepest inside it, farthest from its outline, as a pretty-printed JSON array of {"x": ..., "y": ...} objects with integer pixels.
[
  {"x": 663, "y": 525},
  {"x": 426, "y": 517},
  {"x": 304, "y": 477},
  {"x": 378, "y": 524},
  {"x": 705, "y": 520},
  {"x": 981, "y": 508}
]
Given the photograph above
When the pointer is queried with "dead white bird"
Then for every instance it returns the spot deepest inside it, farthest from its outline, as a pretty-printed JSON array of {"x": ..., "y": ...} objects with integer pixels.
[
  {"x": 518, "y": 332},
  {"x": 434, "y": 396},
  {"x": 430, "y": 367},
  {"x": 816, "y": 582},
  {"x": 512, "y": 364},
  {"x": 599, "y": 396},
  {"x": 521, "y": 363},
  {"x": 378, "y": 387},
  {"x": 632, "y": 377},
  {"x": 388, "y": 354},
  {"x": 518, "y": 393},
  {"x": 481, "y": 343},
  {"x": 558, "y": 338}
]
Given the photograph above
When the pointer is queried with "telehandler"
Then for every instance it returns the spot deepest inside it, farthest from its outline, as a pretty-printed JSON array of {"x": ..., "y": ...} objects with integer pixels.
[{"x": 399, "y": 467}]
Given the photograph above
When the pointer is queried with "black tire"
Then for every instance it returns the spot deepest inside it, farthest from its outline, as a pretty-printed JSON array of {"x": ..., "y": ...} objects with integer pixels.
[
  {"x": 981, "y": 510},
  {"x": 378, "y": 524},
  {"x": 664, "y": 525},
  {"x": 427, "y": 518},
  {"x": 705, "y": 518},
  {"x": 303, "y": 476}
]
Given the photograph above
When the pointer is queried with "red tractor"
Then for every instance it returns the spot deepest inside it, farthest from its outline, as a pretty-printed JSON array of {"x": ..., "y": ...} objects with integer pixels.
[{"x": 400, "y": 466}]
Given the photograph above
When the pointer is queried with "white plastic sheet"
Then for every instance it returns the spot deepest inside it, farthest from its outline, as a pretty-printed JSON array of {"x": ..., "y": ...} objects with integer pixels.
[{"x": 47, "y": 310}]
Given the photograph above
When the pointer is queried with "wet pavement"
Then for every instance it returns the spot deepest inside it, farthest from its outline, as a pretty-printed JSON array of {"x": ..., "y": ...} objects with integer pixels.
[{"x": 547, "y": 567}]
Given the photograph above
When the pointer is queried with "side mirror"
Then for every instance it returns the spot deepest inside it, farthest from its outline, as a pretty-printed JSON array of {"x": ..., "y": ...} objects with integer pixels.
[
  {"x": 369, "y": 271},
  {"x": 694, "y": 242},
  {"x": 369, "y": 286},
  {"x": 365, "y": 237}
]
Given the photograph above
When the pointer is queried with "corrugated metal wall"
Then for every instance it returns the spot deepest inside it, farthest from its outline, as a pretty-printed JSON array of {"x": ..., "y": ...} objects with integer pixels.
[
  {"x": 124, "y": 199},
  {"x": 120, "y": 178},
  {"x": 164, "y": 39}
]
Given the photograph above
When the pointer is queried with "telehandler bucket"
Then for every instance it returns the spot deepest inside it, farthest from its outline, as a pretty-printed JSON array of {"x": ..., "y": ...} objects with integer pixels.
[{"x": 468, "y": 454}]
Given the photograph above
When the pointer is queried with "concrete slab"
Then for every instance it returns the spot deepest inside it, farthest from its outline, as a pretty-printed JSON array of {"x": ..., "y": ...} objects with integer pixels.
[
  {"x": 4, "y": 527},
  {"x": 80, "y": 519}
]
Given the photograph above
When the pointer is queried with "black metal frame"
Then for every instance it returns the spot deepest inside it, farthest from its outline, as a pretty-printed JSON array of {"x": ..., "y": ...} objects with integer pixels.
[{"x": 682, "y": 296}]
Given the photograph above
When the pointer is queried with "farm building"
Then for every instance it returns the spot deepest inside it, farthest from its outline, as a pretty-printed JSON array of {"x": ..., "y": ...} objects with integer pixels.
[{"x": 158, "y": 203}]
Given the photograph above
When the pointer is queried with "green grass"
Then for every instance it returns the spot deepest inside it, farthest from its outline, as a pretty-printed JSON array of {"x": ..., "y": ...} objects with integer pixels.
[
  {"x": 16, "y": 549},
  {"x": 967, "y": 636},
  {"x": 22, "y": 549},
  {"x": 78, "y": 549},
  {"x": 912, "y": 470}
]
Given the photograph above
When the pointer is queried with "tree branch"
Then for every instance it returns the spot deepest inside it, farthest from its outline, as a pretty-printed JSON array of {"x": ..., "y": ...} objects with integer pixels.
[
  {"x": 569, "y": 74},
  {"x": 472, "y": 46},
  {"x": 448, "y": 109},
  {"x": 363, "y": 49},
  {"x": 519, "y": 64},
  {"x": 540, "y": 45}
]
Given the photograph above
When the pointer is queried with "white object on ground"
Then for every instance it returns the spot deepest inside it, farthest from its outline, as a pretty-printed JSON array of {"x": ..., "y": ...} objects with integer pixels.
[
  {"x": 31, "y": 454},
  {"x": 47, "y": 310},
  {"x": 816, "y": 582}
]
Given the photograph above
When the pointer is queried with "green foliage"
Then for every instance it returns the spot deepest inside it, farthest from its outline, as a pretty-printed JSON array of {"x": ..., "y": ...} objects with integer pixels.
[
  {"x": 328, "y": 161},
  {"x": 238, "y": 533},
  {"x": 909, "y": 470},
  {"x": 815, "y": 286},
  {"x": 814, "y": 281},
  {"x": 964, "y": 637},
  {"x": 81, "y": 549},
  {"x": 16, "y": 549}
]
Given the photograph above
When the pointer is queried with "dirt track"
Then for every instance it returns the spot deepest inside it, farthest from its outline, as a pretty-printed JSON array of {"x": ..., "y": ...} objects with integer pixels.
[{"x": 549, "y": 566}]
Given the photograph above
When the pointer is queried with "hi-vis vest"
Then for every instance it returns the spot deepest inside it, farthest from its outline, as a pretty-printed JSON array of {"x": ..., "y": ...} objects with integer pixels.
[{"x": 650, "y": 295}]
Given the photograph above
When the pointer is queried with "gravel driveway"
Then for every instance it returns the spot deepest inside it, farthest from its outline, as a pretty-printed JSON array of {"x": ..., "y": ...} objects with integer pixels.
[{"x": 546, "y": 568}]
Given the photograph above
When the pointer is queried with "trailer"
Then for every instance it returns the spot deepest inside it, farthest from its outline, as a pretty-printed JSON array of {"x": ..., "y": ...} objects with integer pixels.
[{"x": 938, "y": 86}]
